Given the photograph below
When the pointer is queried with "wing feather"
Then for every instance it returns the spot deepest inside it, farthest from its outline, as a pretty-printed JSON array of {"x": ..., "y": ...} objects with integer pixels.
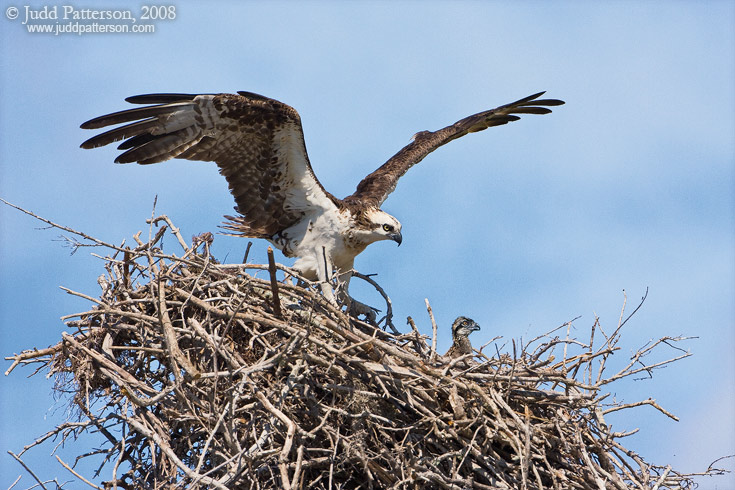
[
  {"x": 124, "y": 132},
  {"x": 376, "y": 187},
  {"x": 136, "y": 114},
  {"x": 161, "y": 149},
  {"x": 257, "y": 143},
  {"x": 161, "y": 98}
]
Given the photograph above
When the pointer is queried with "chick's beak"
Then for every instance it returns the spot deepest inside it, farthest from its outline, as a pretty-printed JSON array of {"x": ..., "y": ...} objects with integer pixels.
[{"x": 396, "y": 237}]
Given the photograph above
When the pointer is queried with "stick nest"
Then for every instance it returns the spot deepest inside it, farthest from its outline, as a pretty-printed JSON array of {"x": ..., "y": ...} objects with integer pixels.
[{"x": 200, "y": 375}]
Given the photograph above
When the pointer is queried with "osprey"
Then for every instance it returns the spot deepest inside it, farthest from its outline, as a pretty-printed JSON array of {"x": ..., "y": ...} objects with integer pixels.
[
  {"x": 461, "y": 330},
  {"x": 258, "y": 145}
]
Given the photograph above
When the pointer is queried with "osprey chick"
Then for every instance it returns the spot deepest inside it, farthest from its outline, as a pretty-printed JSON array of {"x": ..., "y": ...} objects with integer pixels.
[
  {"x": 461, "y": 330},
  {"x": 258, "y": 145}
]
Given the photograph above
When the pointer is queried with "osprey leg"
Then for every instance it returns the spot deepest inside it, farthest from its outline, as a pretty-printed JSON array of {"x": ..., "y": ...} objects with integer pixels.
[
  {"x": 354, "y": 308},
  {"x": 324, "y": 268}
]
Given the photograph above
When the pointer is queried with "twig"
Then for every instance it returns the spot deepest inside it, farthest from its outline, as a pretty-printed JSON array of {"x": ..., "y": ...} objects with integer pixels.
[
  {"x": 71, "y": 470},
  {"x": 274, "y": 283},
  {"x": 432, "y": 356},
  {"x": 247, "y": 253},
  {"x": 388, "y": 318},
  {"x": 417, "y": 340},
  {"x": 649, "y": 401},
  {"x": 17, "y": 458},
  {"x": 62, "y": 227},
  {"x": 283, "y": 457}
]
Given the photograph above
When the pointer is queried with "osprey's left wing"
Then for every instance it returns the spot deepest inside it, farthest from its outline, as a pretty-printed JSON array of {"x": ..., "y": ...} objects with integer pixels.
[
  {"x": 257, "y": 143},
  {"x": 376, "y": 187}
]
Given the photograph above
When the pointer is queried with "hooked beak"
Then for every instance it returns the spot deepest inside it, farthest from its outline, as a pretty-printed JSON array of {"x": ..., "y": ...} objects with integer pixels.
[
  {"x": 475, "y": 327},
  {"x": 396, "y": 237}
]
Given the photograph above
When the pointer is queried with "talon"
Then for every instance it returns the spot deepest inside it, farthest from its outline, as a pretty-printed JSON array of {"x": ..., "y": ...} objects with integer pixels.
[{"x": 357, "y": 308}]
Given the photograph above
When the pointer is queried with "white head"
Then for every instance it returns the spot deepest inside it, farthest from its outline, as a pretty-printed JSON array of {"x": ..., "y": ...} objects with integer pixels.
[{"x": 374, "y": 225}]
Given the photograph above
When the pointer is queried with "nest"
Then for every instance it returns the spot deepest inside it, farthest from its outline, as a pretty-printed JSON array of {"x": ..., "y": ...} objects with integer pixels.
[{"x": 203, "y": 375}]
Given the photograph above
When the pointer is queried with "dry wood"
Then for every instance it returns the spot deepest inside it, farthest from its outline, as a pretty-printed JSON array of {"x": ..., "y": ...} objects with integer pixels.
[{"x": 202, "y": 375}]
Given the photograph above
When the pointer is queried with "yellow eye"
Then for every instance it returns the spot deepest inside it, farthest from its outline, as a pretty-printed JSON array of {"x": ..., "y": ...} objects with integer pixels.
[{"x": 387, "y": 227}]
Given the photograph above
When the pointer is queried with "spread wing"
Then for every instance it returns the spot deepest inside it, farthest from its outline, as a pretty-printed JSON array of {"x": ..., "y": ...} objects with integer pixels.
[
  {"x": 257, "y": 143},
  {"x": 375, "y": 188}
]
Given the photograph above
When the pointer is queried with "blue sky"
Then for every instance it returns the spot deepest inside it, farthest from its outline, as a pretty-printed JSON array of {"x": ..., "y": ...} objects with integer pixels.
[{"x": 628, "y": 186}]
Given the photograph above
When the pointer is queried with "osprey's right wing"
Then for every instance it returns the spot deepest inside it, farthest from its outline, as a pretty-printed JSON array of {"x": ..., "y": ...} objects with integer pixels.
[{"x": 257, "y": 143}]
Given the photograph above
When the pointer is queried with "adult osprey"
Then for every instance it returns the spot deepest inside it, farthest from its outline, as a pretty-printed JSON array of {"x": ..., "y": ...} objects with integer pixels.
[{"x": 258, "y": 145}]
